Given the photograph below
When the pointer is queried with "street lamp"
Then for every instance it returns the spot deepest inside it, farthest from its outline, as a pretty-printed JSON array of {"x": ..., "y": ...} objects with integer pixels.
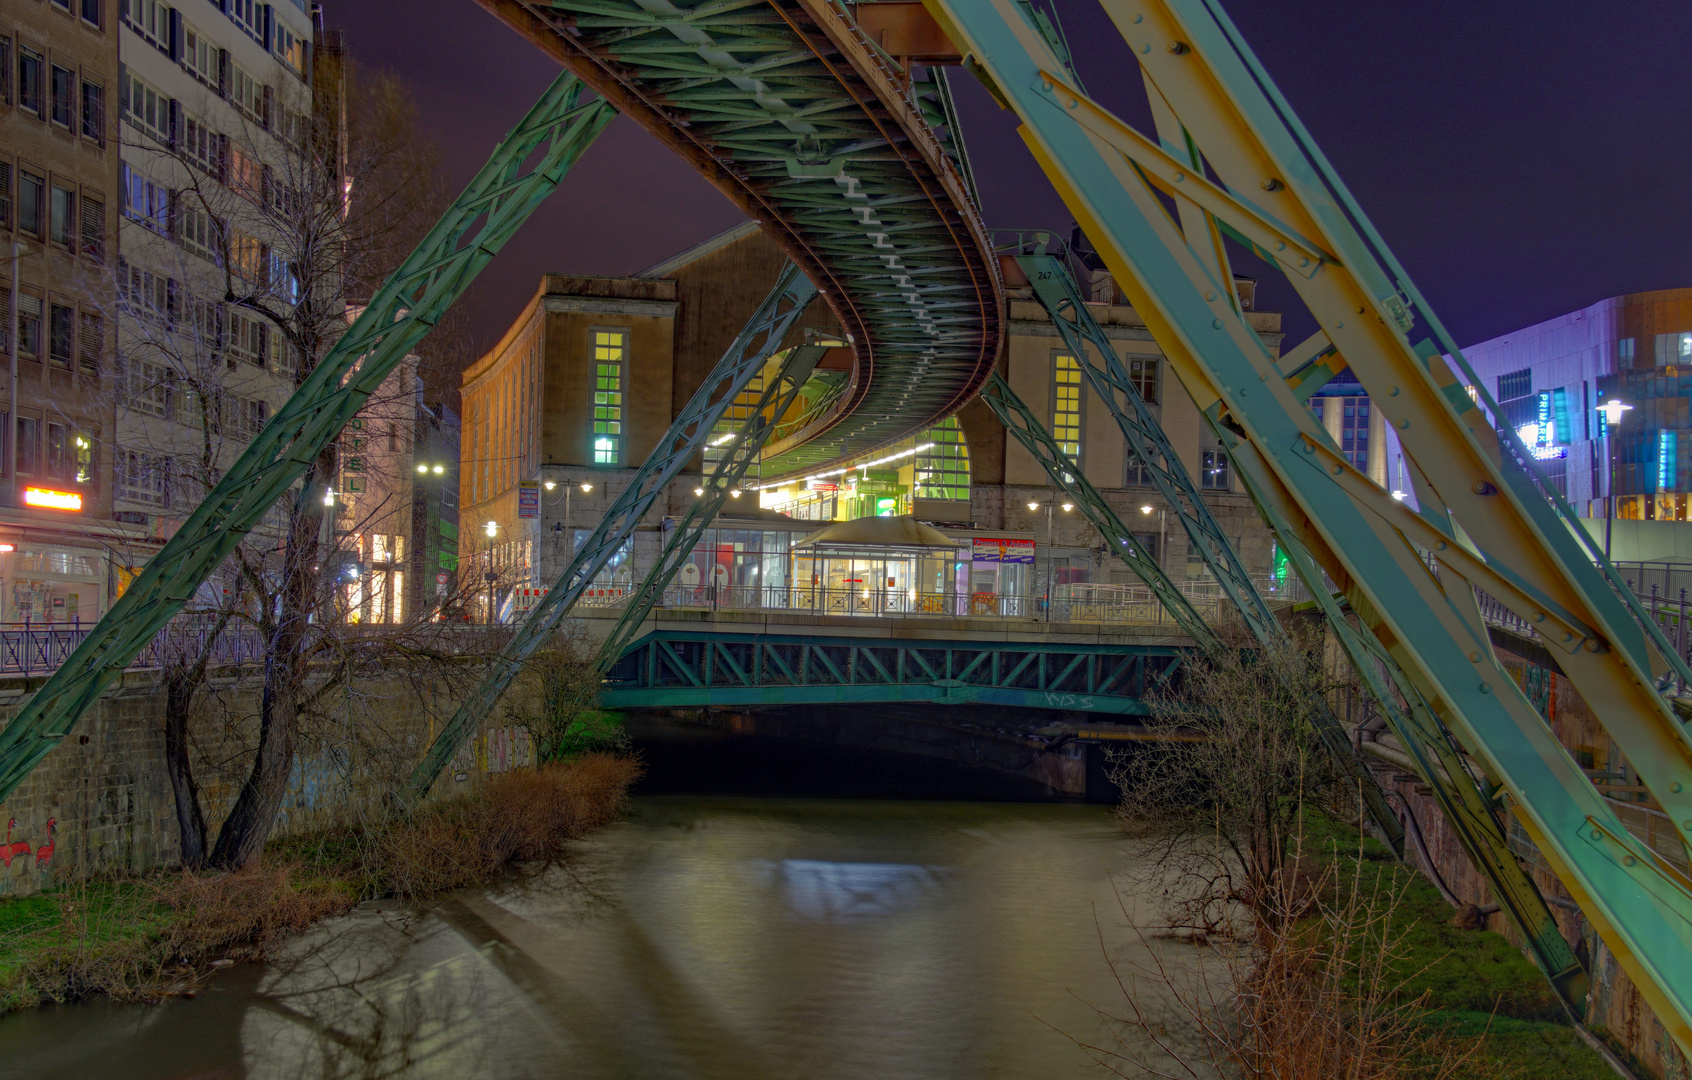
[
  {"x": 1162, "y": 528},
  {"x": 1049, "y": 504},
  {"x": 585, "y": 486},
  {"x": 491, "y": 530},
  {"x": 1612, "y": 410}
]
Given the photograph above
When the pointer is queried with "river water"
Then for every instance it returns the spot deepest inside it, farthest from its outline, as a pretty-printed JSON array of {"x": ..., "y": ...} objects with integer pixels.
[{"x": 707, "y": 935}]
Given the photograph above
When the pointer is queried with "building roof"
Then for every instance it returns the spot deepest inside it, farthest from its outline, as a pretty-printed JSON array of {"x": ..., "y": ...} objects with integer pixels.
[
  {"x": 886, "y": 532},
  {"x": 699, "y": 250}
]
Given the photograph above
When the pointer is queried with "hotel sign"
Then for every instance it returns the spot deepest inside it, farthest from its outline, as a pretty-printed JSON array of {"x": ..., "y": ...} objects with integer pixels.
[{"x": 528, "y": 499}]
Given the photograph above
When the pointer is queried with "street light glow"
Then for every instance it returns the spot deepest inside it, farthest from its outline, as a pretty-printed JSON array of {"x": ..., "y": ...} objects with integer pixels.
[
  {"x": 1612, "y": 410},
  {"x": 491, "y": 528},
  {"x": 1067, "y": 507},
  {"x": 1146, "y": 509},
  {"x": 549, "y": 485},
  {"x": 439, "y": 469},
  {"x": 1033, "y": 506},
  {"x": 586, "y": 487}
]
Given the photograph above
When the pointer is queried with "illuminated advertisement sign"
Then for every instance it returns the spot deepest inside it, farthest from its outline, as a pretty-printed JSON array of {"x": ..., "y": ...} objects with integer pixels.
[
  {"x": 1002, "y": 551},
  {"x": 52, "y": 500}
]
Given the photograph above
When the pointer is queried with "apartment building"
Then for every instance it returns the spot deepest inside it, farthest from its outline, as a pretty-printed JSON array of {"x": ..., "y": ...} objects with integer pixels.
[
  {"x": 214, "y": 104},
  {"x": 61, "y": 552},
  {"x": 566, "y": 407}
]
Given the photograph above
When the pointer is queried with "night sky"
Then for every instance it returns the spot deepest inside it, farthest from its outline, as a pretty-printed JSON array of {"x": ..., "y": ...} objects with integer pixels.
[{"x": 1522, "y": 158}]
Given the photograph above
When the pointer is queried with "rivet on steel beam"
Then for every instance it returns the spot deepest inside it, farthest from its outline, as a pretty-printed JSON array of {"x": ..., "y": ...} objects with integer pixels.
[
  {"x": 1474, "y": 658},
  {"x": 1145, "y": 48},
  {"x": 1440, "y": 546},
  {"x": 1568, "y": 636},
  {"x": 1675, "y": 787},
  {"x": 1303, "y": 262},
  {"x": 1073, "y": 103},
  {"x": 1216, "y": 324},
  {"x": 1309, "y": 448},
  {"x": 1393, "y": 392},
  {"x": 1046, "y": 86},
  {"x": 1180, "y": 176},
  {"x": 1539, "y": 616},
  {"x": 1335, "y": 470},
  {"x": 1486, "y": 688},
  {"x": 1210, "y": 296},
  {"x": 1359, "y": 309},
  {"x": 1403, "y": 425},
  {"x": 1483, "y": 488},
  {"x": 1339, "y": 326},
  {"x": 1271, "y": 184},
  {"x": 1686, "y": 825},
  {"x": 1280, "y": 245},
  {"x": 1179, "y": 48},
  {"x": 1138, "y": 18},
  {"x": 1597, "y": 834},
  {"x": 1628, "y": 860}
]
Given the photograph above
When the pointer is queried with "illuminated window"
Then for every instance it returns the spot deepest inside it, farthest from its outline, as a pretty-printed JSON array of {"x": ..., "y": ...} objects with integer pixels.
[
  {"x": 1214, "y": 475},
  {"x": 1354, "y": 431},
  {"x": 942, "y": 471},
  {"x": 610, "y": 359},
  {"x": 1066, "y": 405}
]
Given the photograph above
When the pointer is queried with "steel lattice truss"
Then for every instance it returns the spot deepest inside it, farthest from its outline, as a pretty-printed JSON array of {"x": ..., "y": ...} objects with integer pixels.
[
  {"x": 1027, "y": 429},
  {"x": 676, "y": 668},
  {"x": 746, "y": 356},
  {"x": 523, "y": 170},
  {"x": 776, "y": 397},
  {"x": 1483, "y": 516},
  {"x": 789, "y": 110}
]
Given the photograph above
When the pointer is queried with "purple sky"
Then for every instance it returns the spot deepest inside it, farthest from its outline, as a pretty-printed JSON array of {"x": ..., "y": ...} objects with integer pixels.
[{"x": 1522, "y": 157}]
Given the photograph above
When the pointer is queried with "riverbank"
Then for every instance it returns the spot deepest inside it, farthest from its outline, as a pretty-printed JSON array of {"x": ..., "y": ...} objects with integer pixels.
[
  {"x": 1476, "y": 983},
  {"x": 158, "y": 935}
]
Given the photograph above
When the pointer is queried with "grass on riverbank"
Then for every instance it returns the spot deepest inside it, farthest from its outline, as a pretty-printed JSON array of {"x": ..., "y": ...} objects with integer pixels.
[
  {"x": 1477, "y": 983},
  {"x": 152, "y": 935}
]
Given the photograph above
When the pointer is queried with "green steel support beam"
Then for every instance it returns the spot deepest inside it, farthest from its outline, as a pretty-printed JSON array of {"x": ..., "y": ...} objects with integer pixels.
[
  {"x": 526, "y": 166},
  {"x": 1466, "y": 800},
  {"x": 1027, "y": 429},
  {"x": 745, "y": 358},
  {"x": 776, "y": 397},
  {"x": 1483, "y": 513},
  {"x": 1058, "y": 294}
]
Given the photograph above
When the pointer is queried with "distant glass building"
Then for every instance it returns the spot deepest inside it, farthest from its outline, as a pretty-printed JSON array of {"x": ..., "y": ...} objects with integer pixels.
[{"x": 1554, "y": 378}]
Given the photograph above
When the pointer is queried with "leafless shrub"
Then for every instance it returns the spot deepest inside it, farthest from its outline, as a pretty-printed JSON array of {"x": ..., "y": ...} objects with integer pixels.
[
  {"x": 557, "y": 699},
  {"x": 1214, "y": 807},
  {"x": 1319, "y": 994}
]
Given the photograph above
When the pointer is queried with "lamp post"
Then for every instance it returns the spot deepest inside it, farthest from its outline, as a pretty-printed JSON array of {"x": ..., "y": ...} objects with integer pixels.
[
  {"x": 1049, "y": 504},
  {"x": 1162, "y": 529},
  {"x": 1612, "y": 410},
  {"x": 586, "y": 486}
]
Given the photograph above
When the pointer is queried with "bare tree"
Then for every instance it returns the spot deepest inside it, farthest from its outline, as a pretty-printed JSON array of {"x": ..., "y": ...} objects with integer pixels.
[
  {"x": 1216, "y": 806},
  {"x": 558, "y": 700},
  {"x": 263, "y": 237}
]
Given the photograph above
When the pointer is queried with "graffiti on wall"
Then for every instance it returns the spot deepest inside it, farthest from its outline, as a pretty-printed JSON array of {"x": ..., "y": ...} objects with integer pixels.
[{"x": 494, "y": 751}]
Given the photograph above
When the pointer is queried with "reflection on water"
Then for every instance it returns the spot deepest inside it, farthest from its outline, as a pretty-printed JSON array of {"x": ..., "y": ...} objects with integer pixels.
[{"x": 703, "y": 937}]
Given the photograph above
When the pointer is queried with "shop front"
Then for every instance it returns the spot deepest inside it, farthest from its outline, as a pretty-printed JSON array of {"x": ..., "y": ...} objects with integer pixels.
[{"x": 875, "y": 566}]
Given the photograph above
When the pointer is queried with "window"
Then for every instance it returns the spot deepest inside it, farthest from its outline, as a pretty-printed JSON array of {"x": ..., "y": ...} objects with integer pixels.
[
  {"x": 64, "y": 96},
  {"x": 29, "y": 445},
  {"x": 1516, "y": 384},
  {"x": 1214, "y": 469},
  {"x": 1135, "y": 472},
  {"x": 1354, "y": 431},
  {"x": 247, "y": 93},
  {"x": 146, "y": 388},
  {"x": 29, "y": 325},
  {"x": 61, "y": 338},
  {"x": 291, "y": 49},
  {"x": 205, "y": 321},
  {"x": 91, "y": 12},
  {"x": 94, "y": 112},
  {"x": 1624, "y": 351},
  {"x": 30, "y": 91},
  {"x": 1066, "y": 405},
  {"x": 201, "y": 145},
  {"x": 246, "y": 175},
  {"x": 66, "y": 4},
  {"x": 145, "y": 107},
  {"x": 293, "y": 127},
  {"x": 249, "y": 337},
  {"x": 1673, "y": 349},
  {"x": 5, "y": 194},
  {"x": 5, "y": 70},
  {"x": 143, "y": 478},
  {"x": 58, "y": 452},
  {"x": 610, "y": 359},
  {"x": 198, "y": 231},
  {"x": 247, "y": 257},
  {"x": 279, "y": 275},
  {"x": 144, "y": 201},
  {"x": 151, "y": 20},
  {"x": 199, "y": 56},
  {"x": 64, "y": 217},
  {"x": 31, "y": 195},
  {"x": 147, "y": 295},
  {"x": 90, "y": 340},
  {"x": 94, "y": 231},
  {"x": 942, "y": 471},
  {"x": 258, "y": 414},
  {"x": 249, "y": 16},
  {"x": 1143, "y": 374}
]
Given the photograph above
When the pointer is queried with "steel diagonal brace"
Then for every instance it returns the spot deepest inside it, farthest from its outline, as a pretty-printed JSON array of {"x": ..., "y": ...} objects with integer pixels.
[
  {"x": 1057, "y": 292},
  {"x": 741, "y": 452},
  {"x": 745, "y": 358},
  {"x": 1021, "y": 422},
  {"x": 1437, "y": 757},
  {"x": 558, "y": 129}
]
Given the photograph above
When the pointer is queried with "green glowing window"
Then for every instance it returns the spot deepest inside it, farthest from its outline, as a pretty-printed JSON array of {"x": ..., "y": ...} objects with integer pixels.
[
  {"x": 1066, "y": 405},
  {"x": 610, "y": 364},
  {"x": 942, "y": 470}
]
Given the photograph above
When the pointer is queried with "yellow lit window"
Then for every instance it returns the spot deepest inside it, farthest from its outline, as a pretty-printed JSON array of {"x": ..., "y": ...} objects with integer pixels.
[
  {"x": 610, "y": 357},
  {"x": 1066, "y": 405}
]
